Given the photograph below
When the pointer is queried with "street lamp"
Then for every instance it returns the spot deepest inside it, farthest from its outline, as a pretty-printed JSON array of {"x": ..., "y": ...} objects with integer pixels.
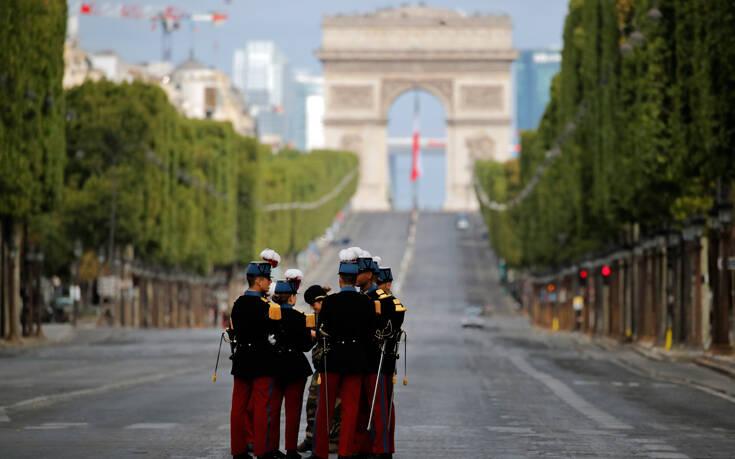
[{"x": 724, "y": 213}]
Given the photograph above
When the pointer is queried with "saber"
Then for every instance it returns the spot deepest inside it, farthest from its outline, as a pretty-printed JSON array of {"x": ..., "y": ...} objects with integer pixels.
[
  {"x": 377, "y": 381},
  {"x": 216, "y": 365},
  {"x": 405, "y": 373}
]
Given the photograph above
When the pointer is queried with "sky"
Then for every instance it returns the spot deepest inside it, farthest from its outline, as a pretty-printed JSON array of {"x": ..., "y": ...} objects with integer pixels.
[{"x": 294, "y": 25}]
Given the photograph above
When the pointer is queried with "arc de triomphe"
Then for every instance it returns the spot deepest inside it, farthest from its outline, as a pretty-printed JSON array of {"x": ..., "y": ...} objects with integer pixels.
[{"x": 465, "y": 61}]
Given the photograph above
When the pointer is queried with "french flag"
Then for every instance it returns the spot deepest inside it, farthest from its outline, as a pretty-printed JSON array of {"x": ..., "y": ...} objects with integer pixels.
[{"x": 416, "y": 144}]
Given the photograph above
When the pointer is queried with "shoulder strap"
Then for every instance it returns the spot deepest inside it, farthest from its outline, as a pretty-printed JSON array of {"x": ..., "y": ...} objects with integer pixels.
[
  {"x": 399, "y": 306},
  {"x": 274, "y": 312},
  {"x": 378, "y": 308},
  {"x": 310, "y": 320}
]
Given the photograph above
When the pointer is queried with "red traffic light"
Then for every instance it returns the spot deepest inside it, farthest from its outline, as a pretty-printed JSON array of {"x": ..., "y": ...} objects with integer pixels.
[
  {"x": 605, "y": 271},
  {"x": 584, "y": 274},
  {"x": 551, "y": 288}
]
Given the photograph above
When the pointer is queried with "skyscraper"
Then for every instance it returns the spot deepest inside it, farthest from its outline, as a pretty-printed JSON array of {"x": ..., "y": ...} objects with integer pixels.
[
  {"x": 306, "y": 119},
  {"x": 534, "y": 71},
  {"x": 261, "y": 72}
]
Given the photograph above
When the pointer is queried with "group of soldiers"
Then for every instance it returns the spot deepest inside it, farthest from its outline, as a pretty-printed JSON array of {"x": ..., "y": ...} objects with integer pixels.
[{"x": 354, "y": 335}]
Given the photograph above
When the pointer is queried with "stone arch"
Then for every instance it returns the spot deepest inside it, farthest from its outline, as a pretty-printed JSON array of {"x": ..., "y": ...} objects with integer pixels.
[
  {"x": 393, "y": 88},
  {"x": 369, "y": 60}
]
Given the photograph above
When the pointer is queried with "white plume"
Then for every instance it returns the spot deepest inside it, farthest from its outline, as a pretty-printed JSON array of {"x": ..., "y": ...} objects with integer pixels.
[
  {"x": 350, "y": 254},
  {"x": 272, "y": 289},
  {"x": 294, "y": 274},
  {"x": 378, "y": 260},
  {"x": 271, "y": 256}
]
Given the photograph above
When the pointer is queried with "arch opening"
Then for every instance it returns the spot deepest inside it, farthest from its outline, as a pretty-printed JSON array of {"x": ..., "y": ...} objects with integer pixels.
[{"x": 417, "y": 108}]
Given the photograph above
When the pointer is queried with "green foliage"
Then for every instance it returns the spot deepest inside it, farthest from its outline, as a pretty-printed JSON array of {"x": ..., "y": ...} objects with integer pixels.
[
  {"x": 185, "y": 193},
  {"x": 32, "y": 116},
  {"x": 294, "y": 177},
  {"x": 648, "y": 88}
]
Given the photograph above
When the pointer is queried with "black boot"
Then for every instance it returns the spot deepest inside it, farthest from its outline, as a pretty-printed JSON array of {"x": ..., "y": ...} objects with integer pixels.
[
  {"x": 314, "y": 457},
  {"x": 242, "y": 456},
  {"x": 293, "y": 454}
]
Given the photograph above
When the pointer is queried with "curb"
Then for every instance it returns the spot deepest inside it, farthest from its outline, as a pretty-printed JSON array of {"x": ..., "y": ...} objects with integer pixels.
[{"x": 714, "y": 365}]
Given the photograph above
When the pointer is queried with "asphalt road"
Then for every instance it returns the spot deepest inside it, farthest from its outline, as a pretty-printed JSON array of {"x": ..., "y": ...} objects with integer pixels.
[{"x": 504, "y": 391}]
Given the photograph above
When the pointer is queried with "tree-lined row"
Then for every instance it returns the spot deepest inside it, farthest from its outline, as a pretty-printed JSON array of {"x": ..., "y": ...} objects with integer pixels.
[
  {"x": 184, "y": 193},
  {"x": 647, "y": 89}
]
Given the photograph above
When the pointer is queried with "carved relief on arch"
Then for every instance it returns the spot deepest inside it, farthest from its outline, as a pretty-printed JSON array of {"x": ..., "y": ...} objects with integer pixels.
[
  {"x": 481, "y": 146},
  {"x": 442, "y": 88},
  {"x": 351, "y": 142},
  {"x": 351, "y": 97}
]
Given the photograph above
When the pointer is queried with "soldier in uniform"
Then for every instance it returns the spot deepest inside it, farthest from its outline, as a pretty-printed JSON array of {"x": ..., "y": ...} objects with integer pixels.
[
  {"x": 314, "y": 296},
  {"x": 389, "y": 317},
  {"x": 344, "y": 325},
  {"x": 255, "y": 394},
  {"x": 293, "y": 337}
]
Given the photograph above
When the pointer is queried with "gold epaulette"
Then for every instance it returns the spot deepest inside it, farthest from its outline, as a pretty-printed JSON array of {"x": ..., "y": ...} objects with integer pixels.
[
  {"x": 384, "y": 296},
  {"x": 378, "y": 308},
  {"x": 264, "y": 299},
  {"x": 380, "y": 292},
  {"x": 274, "y": 312},
  {"x": 399, "y": 306},
  {"x": 310, "y": 320}
]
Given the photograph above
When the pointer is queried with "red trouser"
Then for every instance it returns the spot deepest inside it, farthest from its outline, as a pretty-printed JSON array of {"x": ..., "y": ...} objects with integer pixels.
[
  {"x": 347, "y": 388},
  {"x": 266, "y": 404},
  {"x": 382, "y": 430},
  {"x": 293, "y": 396},
  {"x": 241, "y": 416}
]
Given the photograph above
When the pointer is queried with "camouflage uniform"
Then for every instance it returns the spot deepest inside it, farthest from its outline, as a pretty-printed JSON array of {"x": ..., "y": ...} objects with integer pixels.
[{"x": 311, "y": 402}]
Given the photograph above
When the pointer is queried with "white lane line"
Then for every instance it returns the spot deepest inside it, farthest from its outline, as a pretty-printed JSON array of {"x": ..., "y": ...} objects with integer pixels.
[
  {"x": 224, "y": 427},
  {"x": 57, "y": 426},
  {"x": 585, "y": 383},
  {"x": 407, "y": 253},
  {"x": 4, "y": 415},
  {"x": 668, "y": 455},
  {"x": 567, "y": 395},
  {"x": 512, "y": 430},
  {"x": 152, "y": 426},
  {"x": 655, "y": 447},
  {"x": 46, "y": 400}
]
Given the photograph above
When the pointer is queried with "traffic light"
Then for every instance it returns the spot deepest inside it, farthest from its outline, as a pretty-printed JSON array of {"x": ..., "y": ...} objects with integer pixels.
[
  {"x": 583, "y": 276},
  {"x": 551, "y": 287},
  {"x": 605, "y": 272}
]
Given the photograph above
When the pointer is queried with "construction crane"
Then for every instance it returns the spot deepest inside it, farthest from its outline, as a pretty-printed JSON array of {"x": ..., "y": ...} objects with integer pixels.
[{"x": 168, "y": 18}]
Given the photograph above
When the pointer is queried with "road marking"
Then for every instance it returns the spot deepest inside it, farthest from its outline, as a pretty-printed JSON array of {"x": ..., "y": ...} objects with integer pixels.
[
  {"x": 4, "y": 415},
  {"x": 407, "y": 253},
  {"x": 57, "y": 426},
  {"x": 585, "y": 383},
  {"x": 668, "y": 455},
  {"x": 655, "y": 447},
  {"x": 46, "y": 400},
  {"x": 505, "y": 429},
  {"x": 224, "y": 427},
  {"x": 152, "y": 426},
  {"x": 617, "y": 384},
  {"x": 565, "y": 393}
]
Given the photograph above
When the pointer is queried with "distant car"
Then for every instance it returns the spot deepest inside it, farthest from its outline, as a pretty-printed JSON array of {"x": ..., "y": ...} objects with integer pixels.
[
  {"x": 342, "y": 241},
  {"x": 463, "y": 222},
  {"x": 473, "y": 318}
]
